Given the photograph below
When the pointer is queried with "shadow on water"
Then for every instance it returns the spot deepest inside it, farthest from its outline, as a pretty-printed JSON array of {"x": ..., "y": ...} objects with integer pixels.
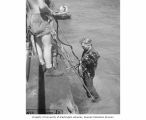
[{"x": 41, "y": 95}]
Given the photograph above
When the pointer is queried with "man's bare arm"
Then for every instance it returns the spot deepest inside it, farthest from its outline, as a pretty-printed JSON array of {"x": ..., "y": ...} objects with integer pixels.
[{"x": 43, "y": 6}]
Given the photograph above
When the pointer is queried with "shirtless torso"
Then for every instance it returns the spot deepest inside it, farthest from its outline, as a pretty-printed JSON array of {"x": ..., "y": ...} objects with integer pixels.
[
  {"x": 37, "y": 16},
  {"x": 36, "y": 5}
]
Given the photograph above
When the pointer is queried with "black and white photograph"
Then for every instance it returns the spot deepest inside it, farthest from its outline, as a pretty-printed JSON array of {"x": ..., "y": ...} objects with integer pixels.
[{"x": 72, "y": 57}]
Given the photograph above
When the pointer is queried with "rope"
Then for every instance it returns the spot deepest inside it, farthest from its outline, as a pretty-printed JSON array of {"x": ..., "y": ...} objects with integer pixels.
[
  {"x": 66, "y": 40},
  {"x": 68, "y": 44}
]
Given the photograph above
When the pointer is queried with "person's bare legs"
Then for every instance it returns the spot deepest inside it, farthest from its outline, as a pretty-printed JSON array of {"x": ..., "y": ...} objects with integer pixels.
[
  {"x": 47, "y": 53},
  {"x": 47, "y": 46},
  {"x": 44, "y": 47},
  {"x": 40, "y": 51}
]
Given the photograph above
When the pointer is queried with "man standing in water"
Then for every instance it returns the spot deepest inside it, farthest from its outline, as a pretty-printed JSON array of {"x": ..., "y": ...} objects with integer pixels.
[
  {"x": 39, "y": 18},
  {"x": 88, "y": 66}
]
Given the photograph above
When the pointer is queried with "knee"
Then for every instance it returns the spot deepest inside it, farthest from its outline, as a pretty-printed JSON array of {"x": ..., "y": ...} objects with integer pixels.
[{"x": 46, "y": 40}]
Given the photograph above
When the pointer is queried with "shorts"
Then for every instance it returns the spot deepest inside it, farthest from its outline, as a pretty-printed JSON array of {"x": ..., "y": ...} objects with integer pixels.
[{"x": 40, "y": 26}]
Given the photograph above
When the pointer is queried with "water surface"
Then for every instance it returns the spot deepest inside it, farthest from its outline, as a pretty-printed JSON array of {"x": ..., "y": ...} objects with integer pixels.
[{"x": 100, "y": 21}]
